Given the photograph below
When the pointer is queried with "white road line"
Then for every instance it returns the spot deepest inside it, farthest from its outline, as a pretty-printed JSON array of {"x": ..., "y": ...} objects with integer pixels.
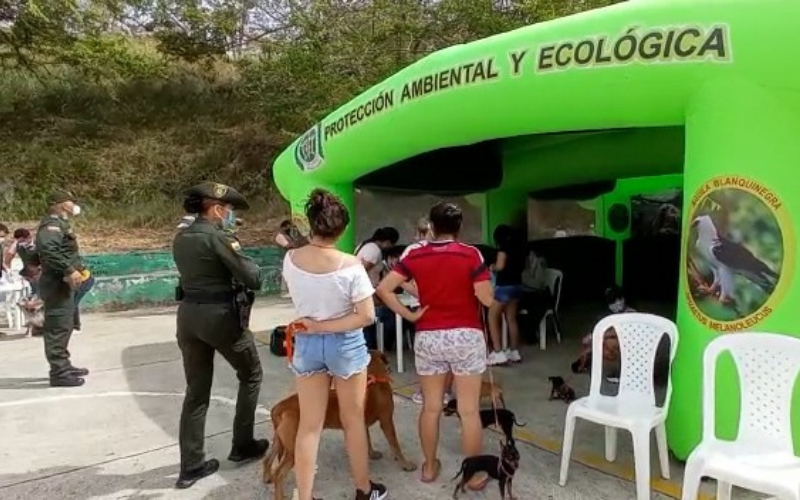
[{"x": 260, "y": 410}]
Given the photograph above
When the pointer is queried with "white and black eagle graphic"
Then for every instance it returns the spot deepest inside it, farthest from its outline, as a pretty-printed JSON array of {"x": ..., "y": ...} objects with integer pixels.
[{"x": 728, "y": 258}]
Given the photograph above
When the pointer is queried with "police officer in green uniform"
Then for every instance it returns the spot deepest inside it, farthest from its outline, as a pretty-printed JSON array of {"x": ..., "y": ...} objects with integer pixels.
[
  {"x": 213, "y": 274},
  {"x": 57, "y": 246}
]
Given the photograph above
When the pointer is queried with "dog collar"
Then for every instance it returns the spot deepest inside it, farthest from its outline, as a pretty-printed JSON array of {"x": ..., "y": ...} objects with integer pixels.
[{"x": 372, "y": 379}]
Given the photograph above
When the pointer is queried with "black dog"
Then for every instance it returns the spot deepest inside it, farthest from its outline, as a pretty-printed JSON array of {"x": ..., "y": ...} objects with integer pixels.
[
  {"x": 501, "y": 417},
  {"x": 560, "y": 390},
  {"x": 500, "y": 468}
]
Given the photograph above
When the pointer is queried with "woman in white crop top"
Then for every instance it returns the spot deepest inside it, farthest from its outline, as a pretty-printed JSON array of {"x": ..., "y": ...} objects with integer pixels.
[{"x": 333, "y": 296}]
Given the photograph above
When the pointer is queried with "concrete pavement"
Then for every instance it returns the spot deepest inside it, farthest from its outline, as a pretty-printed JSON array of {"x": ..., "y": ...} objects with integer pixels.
[{"x": 116, "y": 437}]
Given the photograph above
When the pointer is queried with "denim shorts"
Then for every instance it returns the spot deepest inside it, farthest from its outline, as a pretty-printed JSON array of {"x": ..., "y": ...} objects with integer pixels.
[
  {"x": 340, "y": 355},
  {"x": 505, "y": 294}
]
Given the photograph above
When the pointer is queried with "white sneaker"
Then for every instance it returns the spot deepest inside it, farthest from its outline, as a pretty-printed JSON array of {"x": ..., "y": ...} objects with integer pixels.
[
  {"x": 497, "y": 358},
  {"x": 448, "y": 396},
  {"x": 417, "y": 397},
  {"x": 514, "y": 356}
]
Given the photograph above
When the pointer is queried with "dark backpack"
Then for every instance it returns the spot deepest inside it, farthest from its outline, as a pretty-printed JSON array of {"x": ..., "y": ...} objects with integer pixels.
[{"x": 277, "y": 341}]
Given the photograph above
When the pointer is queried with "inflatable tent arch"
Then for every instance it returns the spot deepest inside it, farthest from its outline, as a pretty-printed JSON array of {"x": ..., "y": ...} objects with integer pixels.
[{"x": 608, "y": 94}]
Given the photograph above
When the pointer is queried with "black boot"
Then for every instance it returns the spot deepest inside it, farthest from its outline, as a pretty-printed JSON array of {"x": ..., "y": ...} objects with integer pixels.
[
  {"x": 66, "y": 381},
  {"x": 255, "y": 449},
  {"x": 186, "y": 479},
  {"x": 78, "y": 372}
]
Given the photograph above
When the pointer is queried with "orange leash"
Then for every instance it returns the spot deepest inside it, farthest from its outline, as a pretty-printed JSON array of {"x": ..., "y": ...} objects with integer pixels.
[
  {"x": 292, "y": 329},
  {"x": 487, "y": 335}
]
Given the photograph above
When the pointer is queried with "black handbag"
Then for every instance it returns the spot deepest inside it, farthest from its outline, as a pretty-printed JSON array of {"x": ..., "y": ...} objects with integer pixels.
[{"x": 277, "y": 341}]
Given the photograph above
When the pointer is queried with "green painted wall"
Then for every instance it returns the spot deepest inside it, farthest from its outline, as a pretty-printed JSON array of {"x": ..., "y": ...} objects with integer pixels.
[{"x": 129, "y": 280}]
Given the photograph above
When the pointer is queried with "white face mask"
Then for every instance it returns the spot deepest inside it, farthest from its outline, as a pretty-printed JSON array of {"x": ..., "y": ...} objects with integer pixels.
[
  {"x": 617, "y": 306},
  {"x": 76, "y": 210}
]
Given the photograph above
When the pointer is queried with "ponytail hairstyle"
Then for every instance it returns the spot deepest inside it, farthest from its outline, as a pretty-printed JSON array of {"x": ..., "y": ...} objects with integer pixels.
[{"x": 193, "y": 204}]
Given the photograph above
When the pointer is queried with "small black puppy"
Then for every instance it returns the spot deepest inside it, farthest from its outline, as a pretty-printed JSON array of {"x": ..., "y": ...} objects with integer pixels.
[
  {"x": 501, "y": 468},
  {"x": 505, "y": 418},
  {"x": 560, "y": 390}
]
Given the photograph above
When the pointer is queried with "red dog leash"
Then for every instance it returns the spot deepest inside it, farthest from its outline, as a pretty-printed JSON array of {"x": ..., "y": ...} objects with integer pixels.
[{"x": 292, "y": 329}]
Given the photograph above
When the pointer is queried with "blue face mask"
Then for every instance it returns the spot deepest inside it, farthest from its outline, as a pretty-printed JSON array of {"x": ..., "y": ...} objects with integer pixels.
[{"x": 229, "y": 222}]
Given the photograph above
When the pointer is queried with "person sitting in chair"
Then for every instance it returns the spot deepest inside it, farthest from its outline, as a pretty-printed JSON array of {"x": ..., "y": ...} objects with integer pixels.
[
  {"x": 384, "y": 315},
  {"x": 612, "y": 355}
]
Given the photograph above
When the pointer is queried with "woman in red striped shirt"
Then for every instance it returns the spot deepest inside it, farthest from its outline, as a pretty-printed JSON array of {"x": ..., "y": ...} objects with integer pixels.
[{"x": 452, "y": 281}]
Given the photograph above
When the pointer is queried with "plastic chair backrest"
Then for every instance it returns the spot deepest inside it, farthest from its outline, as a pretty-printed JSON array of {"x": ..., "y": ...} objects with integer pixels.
[
  {"x": 8, "y": 289},
  {"x": 639, "y": 336},
  {"x": 768, "y": 365},
  {"x": 554, "y": 281},
  {"x": 16, "y": 265}
]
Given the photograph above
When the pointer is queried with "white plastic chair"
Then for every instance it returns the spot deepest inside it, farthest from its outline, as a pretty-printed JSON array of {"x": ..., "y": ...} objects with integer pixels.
[
  {"x": 762, "y": 457},
  {"x": 10, "y": 294},
  {"x": 634, "y": 407},
  {"x": 555, "y": 279}
]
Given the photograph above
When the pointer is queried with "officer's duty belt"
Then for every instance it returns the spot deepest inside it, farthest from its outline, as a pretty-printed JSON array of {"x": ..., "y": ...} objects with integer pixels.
[{"x": 208, "y": 297}]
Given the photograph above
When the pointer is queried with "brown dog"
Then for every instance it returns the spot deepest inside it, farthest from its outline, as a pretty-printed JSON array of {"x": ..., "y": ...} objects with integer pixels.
[
  {"x": 379, "y": 407},
  {"x": 493, "y": 392}
]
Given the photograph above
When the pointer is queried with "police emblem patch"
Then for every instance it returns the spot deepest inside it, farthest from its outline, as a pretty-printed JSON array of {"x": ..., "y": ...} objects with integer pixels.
[{"x": 220, "y": 190}]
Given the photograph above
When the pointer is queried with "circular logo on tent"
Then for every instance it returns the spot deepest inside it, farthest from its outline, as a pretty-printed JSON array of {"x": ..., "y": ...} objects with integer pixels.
[
  {"x": 737, "y": 260},
  {"x": 308, "y": 152}
]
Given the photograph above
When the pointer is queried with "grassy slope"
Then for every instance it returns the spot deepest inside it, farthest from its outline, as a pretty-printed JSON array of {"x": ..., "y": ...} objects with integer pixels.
[{"x": 128, "y": 152}]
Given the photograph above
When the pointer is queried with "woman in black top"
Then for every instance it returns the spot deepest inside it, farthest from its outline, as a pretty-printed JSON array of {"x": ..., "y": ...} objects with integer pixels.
[{"x": 508, "y": 268}]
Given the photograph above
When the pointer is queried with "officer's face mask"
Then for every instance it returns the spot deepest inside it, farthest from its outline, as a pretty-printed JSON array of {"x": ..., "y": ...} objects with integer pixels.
[
  {"x": 228, "y": 219},
  {"x": 71, "y": 209}
]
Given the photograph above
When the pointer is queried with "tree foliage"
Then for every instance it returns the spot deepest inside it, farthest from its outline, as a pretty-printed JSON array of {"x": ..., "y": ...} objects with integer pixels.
[{"x": 228, "y": 82}]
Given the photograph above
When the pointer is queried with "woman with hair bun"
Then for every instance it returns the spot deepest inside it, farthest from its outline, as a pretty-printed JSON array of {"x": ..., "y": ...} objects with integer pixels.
[{"x": 332, "y": 294}]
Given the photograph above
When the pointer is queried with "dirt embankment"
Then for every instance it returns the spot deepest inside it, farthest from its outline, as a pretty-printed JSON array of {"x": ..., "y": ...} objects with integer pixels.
[{"x": 98, "y": 237}]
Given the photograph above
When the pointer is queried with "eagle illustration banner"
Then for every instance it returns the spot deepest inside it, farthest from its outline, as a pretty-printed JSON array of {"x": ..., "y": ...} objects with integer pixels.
[{"x": 736, "y": 253}]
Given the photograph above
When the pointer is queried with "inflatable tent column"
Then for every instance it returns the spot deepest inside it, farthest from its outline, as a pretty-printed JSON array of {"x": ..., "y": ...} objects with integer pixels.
[{"x": 740, "y": 185}]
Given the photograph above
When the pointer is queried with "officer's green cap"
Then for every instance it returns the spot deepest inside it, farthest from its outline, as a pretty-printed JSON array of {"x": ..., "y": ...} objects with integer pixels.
[
  {"x": 219, "y": 192},
  {"x": 60, "y": 196}
]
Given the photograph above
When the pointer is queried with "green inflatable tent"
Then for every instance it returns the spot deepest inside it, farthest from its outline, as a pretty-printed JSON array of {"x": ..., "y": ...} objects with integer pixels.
[{"x": 706, "y": 88}]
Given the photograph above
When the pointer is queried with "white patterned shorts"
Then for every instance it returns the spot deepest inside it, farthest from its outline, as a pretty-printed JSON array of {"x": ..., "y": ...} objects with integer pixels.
[{"x": 460, "y": 350}]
